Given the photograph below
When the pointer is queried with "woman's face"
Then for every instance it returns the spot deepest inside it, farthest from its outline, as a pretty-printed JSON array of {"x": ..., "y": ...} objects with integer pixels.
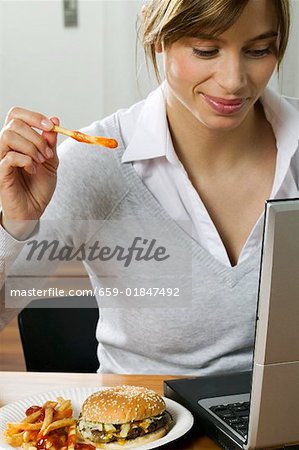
[{"x": 219, "y": 79}]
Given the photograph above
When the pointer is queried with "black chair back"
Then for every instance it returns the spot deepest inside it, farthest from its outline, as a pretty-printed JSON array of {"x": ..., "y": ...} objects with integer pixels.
[{"x": 58, "y": 335}]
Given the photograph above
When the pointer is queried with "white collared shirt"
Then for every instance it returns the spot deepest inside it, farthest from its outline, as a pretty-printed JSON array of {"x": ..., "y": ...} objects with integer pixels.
[{"x": 149, "y": 148}]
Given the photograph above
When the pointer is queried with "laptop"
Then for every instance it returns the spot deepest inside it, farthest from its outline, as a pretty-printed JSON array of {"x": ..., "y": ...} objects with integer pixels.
[{"x": 259, "y": 409}]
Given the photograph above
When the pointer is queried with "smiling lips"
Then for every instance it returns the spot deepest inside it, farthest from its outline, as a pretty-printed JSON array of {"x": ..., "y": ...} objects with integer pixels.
[{"x": 224, "y": 106}]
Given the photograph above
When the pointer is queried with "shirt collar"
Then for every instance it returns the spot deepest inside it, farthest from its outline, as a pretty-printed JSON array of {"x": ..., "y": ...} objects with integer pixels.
[
  {"x": 284, "y": 119},
  {"x": 282, "y": 114},
  {"x": 152, "y": 138}
]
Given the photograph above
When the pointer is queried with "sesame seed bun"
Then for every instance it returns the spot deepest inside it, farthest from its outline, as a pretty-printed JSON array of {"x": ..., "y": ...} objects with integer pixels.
[
  {"x": 122, "y": 404},
  {"x": 132, "y": 443}
]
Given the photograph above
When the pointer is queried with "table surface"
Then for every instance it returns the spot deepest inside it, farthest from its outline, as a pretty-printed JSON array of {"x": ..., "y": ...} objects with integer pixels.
[{"x": 17, "y": 385}]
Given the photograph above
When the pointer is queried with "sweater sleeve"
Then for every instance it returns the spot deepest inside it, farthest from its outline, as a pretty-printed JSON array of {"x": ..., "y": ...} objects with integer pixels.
[{"x": 9, "y": 251}]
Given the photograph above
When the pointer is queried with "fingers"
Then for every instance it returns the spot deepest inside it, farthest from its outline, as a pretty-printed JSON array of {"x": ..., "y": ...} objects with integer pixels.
[
  {"x": 50, "y": 136},
  {"x": 13, "y": 160},
  {"x": 33, "y": 119},
  {"x": 18, "y": 135}
]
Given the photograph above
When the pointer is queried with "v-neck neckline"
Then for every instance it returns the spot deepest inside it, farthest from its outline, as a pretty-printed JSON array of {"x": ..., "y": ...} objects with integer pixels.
[{"x": 229, "y": 274}]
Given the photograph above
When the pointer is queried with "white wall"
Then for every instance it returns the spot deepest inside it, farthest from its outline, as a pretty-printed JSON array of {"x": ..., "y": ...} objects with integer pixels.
[
  {"x": 125, "y": 77},
  {"x": 289, "y": 78},
  {"x": 80, "y": 74},
  {"x": 47, "y": 67}
]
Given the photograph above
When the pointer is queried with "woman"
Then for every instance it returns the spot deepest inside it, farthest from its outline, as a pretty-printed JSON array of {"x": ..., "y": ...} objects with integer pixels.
[{"x": 209, "y": 146}]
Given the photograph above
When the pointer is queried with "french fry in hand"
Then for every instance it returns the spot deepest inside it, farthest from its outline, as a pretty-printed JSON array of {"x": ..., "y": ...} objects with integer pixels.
[{"x": 82, "y": 137}]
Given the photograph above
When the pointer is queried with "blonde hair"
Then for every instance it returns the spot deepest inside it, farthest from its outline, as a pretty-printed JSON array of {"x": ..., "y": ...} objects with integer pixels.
[{"x": 166, "y": 21}]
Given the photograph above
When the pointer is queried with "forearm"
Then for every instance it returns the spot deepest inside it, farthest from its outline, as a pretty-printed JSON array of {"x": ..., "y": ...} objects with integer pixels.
[{"x": 19, "y": 230}]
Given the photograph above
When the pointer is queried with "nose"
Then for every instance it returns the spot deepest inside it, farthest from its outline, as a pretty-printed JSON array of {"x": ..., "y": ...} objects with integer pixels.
[{"x": 231, "y": 74}]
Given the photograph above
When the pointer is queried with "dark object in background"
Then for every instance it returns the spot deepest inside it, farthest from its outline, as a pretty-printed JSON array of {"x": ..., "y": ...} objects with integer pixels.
[
  {"x": 70, "y": 10},
  {"x": 58, "y": 334}
]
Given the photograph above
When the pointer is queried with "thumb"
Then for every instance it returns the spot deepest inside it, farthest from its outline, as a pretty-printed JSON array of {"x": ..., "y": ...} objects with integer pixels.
[{"x": 51, "y": 136}]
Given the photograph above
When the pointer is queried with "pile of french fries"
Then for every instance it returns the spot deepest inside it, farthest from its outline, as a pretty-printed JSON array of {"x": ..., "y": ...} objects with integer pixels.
[{"x": 49, "y": 427}]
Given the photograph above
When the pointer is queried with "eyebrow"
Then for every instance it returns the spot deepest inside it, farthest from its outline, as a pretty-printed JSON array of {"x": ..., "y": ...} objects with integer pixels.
[{"x": 260, "y": 37}]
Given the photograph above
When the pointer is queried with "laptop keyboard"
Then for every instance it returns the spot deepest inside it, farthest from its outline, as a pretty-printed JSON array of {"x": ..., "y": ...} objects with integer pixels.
[{"x": 236, "y": 415}]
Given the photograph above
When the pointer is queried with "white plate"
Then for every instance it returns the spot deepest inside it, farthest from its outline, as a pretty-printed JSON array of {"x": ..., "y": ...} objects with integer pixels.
[{"x": 14, "y": 412}]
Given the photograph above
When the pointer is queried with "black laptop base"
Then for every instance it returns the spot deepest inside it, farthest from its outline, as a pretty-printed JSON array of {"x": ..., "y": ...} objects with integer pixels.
[{"x": 188, "y": 391}]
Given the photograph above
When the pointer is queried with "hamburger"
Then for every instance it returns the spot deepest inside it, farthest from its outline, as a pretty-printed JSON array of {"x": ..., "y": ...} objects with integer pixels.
[{"x": 123, "y": 417}]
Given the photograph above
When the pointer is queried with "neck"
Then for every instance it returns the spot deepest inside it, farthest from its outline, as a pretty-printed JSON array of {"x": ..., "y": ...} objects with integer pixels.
[{"x": 200, "y": 147}]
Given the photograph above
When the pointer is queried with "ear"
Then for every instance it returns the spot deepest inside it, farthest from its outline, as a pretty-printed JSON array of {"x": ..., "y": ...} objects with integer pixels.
[{"x": 159, "y": 47}]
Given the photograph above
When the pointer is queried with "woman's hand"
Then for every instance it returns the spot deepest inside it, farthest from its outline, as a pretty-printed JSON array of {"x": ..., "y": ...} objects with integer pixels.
[{"x": 28, "y": 169}]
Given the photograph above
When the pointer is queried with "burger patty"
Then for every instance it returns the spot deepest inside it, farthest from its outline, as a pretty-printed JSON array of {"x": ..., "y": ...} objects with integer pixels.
[
  {"x": 154, "y": 426},
  {"x": 135, "y": 431}
]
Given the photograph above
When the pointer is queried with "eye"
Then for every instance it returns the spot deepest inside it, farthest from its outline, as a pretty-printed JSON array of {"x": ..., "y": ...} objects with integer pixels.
[
  {"x": 205, "y": 53},
  {"x": 258, "y": 53}
]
